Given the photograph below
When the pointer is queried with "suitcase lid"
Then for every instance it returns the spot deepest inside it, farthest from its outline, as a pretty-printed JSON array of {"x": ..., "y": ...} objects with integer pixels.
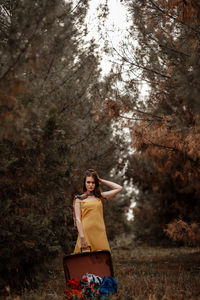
[{"x": 97, "y": 262}]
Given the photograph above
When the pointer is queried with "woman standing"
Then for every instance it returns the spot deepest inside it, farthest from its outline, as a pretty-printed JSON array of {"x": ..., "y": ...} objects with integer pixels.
[{"x": 88, "y": 210}]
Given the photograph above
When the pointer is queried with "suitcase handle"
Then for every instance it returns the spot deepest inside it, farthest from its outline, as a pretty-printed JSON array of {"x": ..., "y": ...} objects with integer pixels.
[{"x": 88, "y": 247}]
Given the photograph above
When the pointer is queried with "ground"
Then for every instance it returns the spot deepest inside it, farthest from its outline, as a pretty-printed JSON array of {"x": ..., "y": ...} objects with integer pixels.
[{"x": 142, "y": 272}]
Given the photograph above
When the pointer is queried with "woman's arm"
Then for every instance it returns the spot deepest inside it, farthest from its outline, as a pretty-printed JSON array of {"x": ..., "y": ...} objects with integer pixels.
[
  {"x": 77, "y": 211},
  {"x": 116, "y": 188}
]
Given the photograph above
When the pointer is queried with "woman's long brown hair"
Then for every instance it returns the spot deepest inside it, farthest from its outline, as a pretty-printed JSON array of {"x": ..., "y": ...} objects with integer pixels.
[{"x": 97, "y": 191}]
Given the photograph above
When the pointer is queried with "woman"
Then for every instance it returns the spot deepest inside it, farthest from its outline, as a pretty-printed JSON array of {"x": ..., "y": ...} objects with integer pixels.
[{"x": 89, "y": 212}]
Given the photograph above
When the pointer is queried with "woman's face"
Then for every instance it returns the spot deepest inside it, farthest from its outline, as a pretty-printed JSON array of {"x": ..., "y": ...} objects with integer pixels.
[{"x": 89, "y": 183}]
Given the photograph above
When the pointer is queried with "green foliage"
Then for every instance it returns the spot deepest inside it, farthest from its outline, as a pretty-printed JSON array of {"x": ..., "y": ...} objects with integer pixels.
[
  {"x": 115, "y": 216},
  {"x": 49, "y": 132},
  {"x": 23, "y": 248}
]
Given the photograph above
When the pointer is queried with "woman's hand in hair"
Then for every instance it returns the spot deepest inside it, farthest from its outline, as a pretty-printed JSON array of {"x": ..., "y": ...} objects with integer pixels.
[{"x": 100, "y": 180}]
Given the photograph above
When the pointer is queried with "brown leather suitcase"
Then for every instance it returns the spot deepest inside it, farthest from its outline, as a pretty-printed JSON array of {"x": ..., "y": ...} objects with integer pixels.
[{"x": 97, "y": 262}]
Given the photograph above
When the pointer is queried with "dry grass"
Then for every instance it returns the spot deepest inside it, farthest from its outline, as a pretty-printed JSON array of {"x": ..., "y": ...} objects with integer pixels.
[
  {"x": 158, "y": 273},
  {"x": 149, "y": 273}
]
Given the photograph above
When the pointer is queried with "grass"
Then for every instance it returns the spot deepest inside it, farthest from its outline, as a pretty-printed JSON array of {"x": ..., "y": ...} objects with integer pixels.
[
  {"x": 158, "y": 273},
  {"x": 142, "y": 272}
]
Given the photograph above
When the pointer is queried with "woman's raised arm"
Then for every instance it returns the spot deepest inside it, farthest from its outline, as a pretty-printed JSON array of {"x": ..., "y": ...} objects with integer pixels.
[{"x": 116, "y": 188}]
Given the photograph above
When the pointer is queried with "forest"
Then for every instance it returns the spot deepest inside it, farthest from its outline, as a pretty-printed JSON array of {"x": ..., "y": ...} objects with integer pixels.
[{"x": 59, "y": 116}]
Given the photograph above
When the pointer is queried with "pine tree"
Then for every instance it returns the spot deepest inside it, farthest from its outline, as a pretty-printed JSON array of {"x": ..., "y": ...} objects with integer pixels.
[
  {"x": 165, "y": 137},
  {"x": 49, "y": 133}
]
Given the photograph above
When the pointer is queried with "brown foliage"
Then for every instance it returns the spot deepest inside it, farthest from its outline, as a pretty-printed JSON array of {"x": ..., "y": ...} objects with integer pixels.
[
  {"x": 108, "y": 109},
  {"x": 186, "y": 11},
  {"x": 179, "y": 230},
  {"x": 165, "y": 165},
  {"x": 165, "y": 144}
]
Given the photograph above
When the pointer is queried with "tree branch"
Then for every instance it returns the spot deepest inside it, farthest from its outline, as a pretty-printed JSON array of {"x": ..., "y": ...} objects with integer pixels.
[
  {"x": 87, "y": 135},
  {"x": 139, "y": 66},
  {"x": 21, "y": 52},
  {"x": 171, "y": 16},
  {"x": 173, "y": 149},
  {"x": 48, "y": 71}
]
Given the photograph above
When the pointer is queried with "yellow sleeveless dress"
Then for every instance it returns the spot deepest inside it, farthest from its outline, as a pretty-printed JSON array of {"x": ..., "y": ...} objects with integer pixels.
[{"x": 93, "y": 226}]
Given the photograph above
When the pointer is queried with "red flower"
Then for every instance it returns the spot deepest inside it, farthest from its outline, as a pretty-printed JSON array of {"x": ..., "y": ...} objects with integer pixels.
[
  {"x": 74, "y": 284},
  {"x": 85, "y": 279}
]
